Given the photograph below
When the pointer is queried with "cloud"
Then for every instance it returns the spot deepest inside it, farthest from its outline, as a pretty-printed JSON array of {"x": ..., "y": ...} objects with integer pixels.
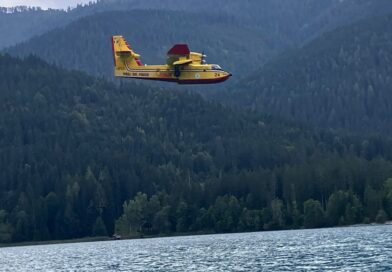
[{"x": 43, "y": 3}]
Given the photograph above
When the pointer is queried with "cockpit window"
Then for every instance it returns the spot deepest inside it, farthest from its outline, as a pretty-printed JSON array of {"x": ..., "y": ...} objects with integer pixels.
[{"x": 216, "y": 67}]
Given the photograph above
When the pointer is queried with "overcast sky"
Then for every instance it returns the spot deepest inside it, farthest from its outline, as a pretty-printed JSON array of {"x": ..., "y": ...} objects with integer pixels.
[{"x": 43, "y": 3}]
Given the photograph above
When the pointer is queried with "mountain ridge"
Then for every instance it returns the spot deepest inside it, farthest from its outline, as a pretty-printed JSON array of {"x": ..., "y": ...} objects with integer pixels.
[
  {"x": 339, "y": 80},
  {"x": 269, "y": 28}
]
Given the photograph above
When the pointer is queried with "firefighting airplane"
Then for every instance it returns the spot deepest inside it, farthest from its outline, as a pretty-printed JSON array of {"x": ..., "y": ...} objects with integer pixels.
[{"x": 183, "y": 66}]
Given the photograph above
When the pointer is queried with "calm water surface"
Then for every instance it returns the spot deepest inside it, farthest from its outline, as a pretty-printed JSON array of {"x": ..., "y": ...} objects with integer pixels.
[{"x": 339, "y": 249}]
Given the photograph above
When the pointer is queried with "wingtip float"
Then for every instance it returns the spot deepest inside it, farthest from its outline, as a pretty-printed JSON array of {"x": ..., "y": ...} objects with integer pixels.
[{"x": 182, "y": 67}]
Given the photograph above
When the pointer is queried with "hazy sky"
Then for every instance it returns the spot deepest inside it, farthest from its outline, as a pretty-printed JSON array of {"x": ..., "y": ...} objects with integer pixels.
[{"x": 42, "y": 3}]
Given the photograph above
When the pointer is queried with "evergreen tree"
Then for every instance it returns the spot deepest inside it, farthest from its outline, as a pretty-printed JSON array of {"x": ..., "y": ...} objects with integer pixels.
[
  {"x": 99, "y": 228},
  {"x": 313, "y": 214}
]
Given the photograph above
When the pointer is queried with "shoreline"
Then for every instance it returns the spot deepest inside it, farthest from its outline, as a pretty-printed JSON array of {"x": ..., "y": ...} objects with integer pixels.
[
  {"x": 55, "y": 242},
  {"x": 99, "y": 239},
  {"x": 107, "y": 238}
]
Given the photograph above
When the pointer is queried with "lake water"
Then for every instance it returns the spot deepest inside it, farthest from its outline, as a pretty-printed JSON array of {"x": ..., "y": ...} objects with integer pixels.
[{"x": 339, "y": 249}]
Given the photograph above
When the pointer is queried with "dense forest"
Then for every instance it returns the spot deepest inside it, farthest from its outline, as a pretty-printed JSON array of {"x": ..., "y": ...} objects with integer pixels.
[
  {"x": 340, "y": 80},
  {"x": 82, "y": 157}
]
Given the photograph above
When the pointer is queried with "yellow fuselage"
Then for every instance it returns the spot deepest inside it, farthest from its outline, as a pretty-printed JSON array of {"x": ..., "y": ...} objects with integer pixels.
[{"x": 190, "y": 74}]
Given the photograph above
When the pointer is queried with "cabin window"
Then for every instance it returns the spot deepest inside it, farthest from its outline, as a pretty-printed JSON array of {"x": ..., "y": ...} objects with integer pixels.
[{"x": 216, "y": 67}]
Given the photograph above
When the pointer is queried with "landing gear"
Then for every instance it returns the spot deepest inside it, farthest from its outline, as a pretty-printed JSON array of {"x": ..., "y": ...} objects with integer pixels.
[{"x": 177, "y": 71}]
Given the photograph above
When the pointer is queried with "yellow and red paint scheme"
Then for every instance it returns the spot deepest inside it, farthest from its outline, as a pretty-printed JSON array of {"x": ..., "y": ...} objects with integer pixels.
[{"x": 183, "y": 66}]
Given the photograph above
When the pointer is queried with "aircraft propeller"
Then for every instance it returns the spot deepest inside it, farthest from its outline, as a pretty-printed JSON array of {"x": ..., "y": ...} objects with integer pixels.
[{"x": 202, "y": 59}]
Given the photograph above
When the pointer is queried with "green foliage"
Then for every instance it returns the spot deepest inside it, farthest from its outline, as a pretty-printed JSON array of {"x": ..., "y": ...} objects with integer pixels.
[
  {"x": 381, "y": 217},
  {"x": 343, "y": 208},
  {"x": 162, "y": 223},
  {"x": 133, "y": 218},
  {"x": 340, "y": 80},
  {"x": 225, "y": 213},
  {"x": 81, "y": 157},
  {"x": 99, "y": 228},
  {"x": 5, "y": 228},
  {"x": 313, "y": 214},
  {"x": 373, "y": 200},
  {"x": 251, "y": 220},
  {"x": 278, "y": 216},
  {"x": 388, "y": 196},
  {"x": 296, "y": 219}
]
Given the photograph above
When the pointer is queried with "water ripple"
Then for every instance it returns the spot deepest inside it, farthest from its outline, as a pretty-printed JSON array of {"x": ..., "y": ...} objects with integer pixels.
[{"x": 339, "y": 249}]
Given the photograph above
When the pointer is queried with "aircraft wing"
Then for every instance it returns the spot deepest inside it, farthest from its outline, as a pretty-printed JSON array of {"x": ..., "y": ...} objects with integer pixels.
[
  {"x": 182, "y": 62},
  {"x": 178, "y": 55}
]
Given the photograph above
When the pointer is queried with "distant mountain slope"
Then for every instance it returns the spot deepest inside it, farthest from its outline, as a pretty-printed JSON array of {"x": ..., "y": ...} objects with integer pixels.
[
  {"x": 340, "y": 13},
  {"x": 240, "y": 35},
  {"x": 20, "y": 26},
  {"x": 340, "y": 80},
  {"x": 290, "y": 22},
  {"x": 73, "y": 149},
  {"x": 85, "y": 44},
  {"x": 21, "y": 23}
]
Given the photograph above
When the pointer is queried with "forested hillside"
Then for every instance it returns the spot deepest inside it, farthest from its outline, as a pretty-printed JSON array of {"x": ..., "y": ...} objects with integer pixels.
[
  {"x": 22, "y": 23},
  {"x": 241, "y": 36},
  {"x": 73, "y": 149},
  {"x": 288, "y": 22},
  {"x": 338, "y": 13},
  {"x": 86, "y": 44},
  {"x": 340, "y": 80}
]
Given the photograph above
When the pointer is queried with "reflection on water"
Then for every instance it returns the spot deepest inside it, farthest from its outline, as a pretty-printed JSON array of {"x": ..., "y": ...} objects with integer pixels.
[{"x": 339, "y": 249}]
